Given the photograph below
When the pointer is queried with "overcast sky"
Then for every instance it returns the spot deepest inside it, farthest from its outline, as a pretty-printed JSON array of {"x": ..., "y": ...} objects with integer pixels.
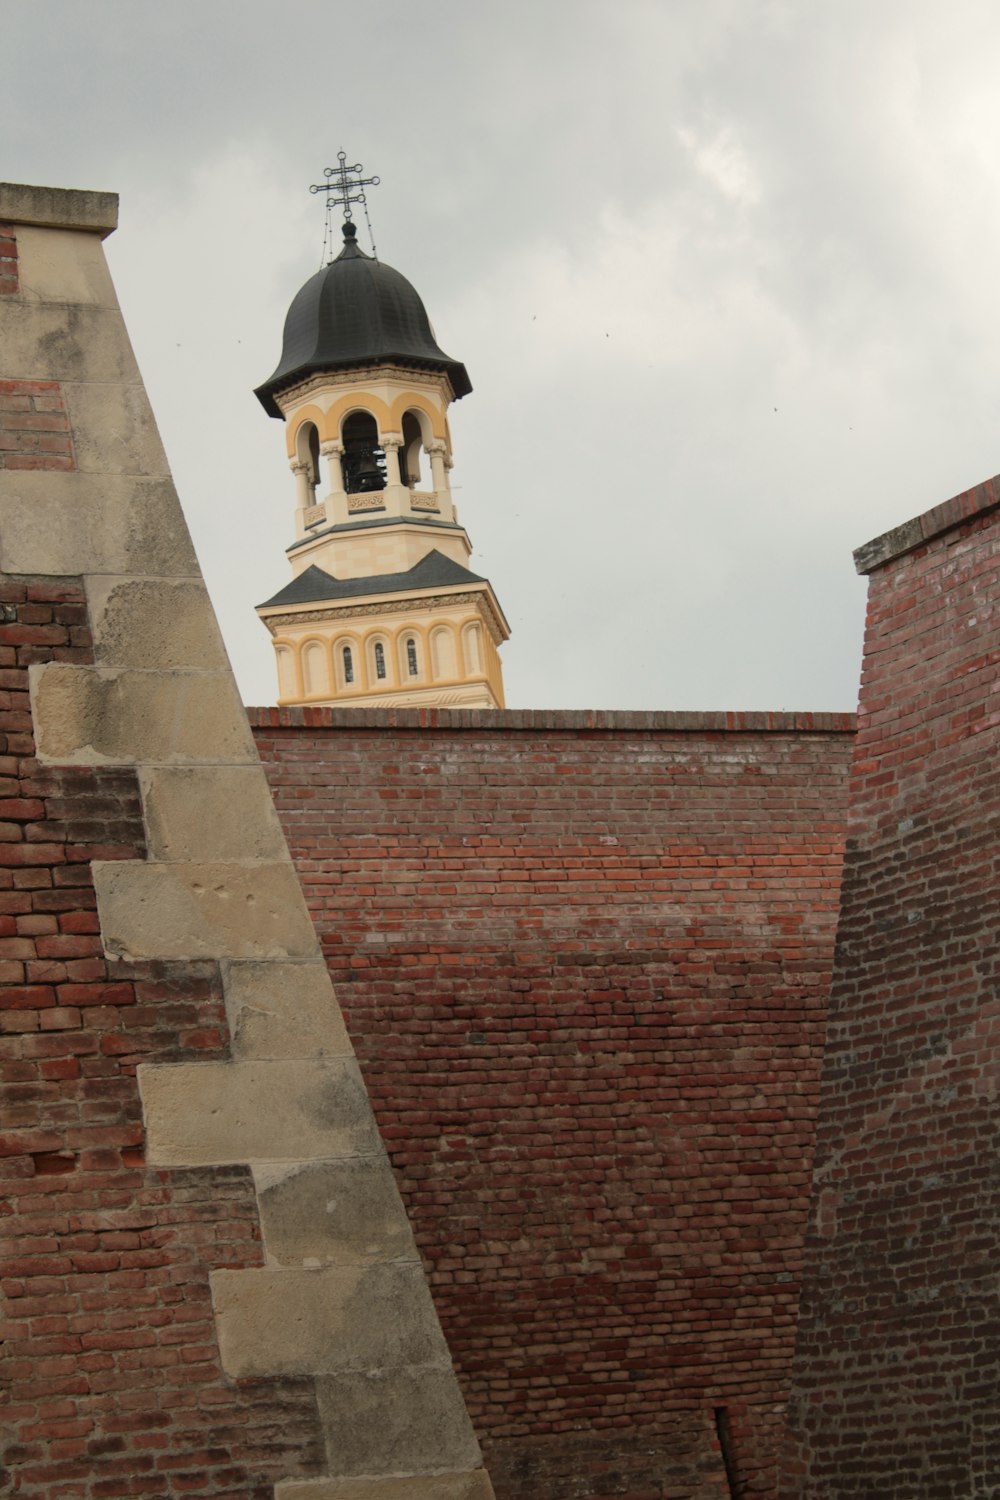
[{"x": 723, "y": 273}]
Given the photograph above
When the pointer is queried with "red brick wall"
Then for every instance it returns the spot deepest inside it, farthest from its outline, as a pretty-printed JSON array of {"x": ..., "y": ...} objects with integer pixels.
[
  {"x": 586, "y": 972},
  {"x": 34, "y": 427},
  {"x": 110, "y": 1357},
  {"x": 8, "y": 260},
  {"x": 898, "y": 1364}
]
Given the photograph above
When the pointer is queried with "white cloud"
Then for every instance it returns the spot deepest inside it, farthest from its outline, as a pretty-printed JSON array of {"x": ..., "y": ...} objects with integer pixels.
[
  {"x": 722, "y": 273},
  {"x": 724, "y": 161}
]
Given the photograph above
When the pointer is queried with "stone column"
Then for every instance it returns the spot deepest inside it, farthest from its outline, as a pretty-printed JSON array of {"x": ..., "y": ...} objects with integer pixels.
[
  {"x": 436, "y": 449},
  {"x": 336, "y": 500},
  {"x": 448, "y": 507},
  {"x": 391, "y": 444},
  {"x": 303, "y": 491}
]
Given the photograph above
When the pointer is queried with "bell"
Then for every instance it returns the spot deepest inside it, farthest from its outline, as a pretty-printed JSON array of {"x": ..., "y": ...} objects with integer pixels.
[{"x": 368, "y": 474}]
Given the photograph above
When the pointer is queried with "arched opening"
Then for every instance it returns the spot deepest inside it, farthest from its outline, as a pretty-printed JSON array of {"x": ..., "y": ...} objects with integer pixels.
[
  {"x": 412, "y": 664},
  {"x": 307, "y": 451},
  {"x": 409, "y": 453},
  {"x": 347, "y": 665},
  {"x": 363, "y": 461},
  {"x": 379, "y": 661}
]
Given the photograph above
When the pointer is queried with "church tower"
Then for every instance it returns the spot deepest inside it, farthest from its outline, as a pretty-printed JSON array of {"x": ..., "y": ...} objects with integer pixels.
[{"x": 382, "y": 608}]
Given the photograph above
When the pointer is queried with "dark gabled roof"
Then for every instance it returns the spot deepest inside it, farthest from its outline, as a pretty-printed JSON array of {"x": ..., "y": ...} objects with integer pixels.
[
  {"x": 314, "y": 586},
  {"x": 357, "y": 311}
]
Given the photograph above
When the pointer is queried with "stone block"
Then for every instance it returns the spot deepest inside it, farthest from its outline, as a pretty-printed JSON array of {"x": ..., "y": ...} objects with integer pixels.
[
  {"x": 96, "y": 716},
  {"x": 58, "y": 265},
  {"x": 276, "y": 1321},
  {"x": 58, "y": 208},
  {"x": 395, "y": 1422},
  {"x": 333, "y": 1211},
  {"x": 208, "y": 1114},
  {"x": 67, "y": 524},
  {"x": 283, "y": 1010},
  {"x": 154, "y": 622},
  {"x": 113, "y": 430},
  {"x": 210, "y": 814},
  {"x": 474, "y": 1485},
  {"x": 202, "y": 910},
  {"x": 53, "y": 341}
]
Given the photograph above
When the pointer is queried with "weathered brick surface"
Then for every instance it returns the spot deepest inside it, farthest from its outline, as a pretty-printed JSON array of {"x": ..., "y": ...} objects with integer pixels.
[
  {"x": 898, "y": 1361},
  {"x": 34, "y": 427},
  {"x": 8, "y": 260},
  {"x": 110, "y": 1355},
  {"x": 586, "y": 969}
]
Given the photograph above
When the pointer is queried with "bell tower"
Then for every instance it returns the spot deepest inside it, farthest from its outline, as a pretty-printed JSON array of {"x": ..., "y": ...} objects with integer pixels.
[{"x": 382, "y": 607}]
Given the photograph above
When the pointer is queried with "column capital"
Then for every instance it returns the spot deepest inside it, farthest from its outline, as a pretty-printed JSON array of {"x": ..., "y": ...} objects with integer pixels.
[{"x": 331, "y": 448}]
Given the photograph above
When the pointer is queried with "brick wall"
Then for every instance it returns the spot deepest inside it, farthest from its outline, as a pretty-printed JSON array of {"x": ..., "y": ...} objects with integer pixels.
[
  {"x": 898, "y": 1361},
  {"x": 110, "y": 1350},
  {"x": 8, "y": 260},
  {"x": 34, "y": 427},
  {"x": 585, "y": 961}
]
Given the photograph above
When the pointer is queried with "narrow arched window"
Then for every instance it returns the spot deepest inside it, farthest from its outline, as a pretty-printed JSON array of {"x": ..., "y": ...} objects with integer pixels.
[
  {"x": 379, "y": 659},
  {"x": 348, "y": 665},
  {"x": 411, "y": 657}
]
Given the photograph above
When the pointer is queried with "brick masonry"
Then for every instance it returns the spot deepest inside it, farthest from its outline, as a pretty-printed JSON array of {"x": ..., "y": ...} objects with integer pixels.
[
  {"x": 34, "y": 427},
  {"x": 898, "y": 1360},
  {"x": 110, "y": 1349},
  {"x": 585, "y": 961},
  {"x": 8, "y": 260}
]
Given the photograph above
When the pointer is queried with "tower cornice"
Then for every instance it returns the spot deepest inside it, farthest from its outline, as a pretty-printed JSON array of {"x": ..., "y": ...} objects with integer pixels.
[
  {"x": 322, "y": 380},
  {"x": 392, "y": 604}
]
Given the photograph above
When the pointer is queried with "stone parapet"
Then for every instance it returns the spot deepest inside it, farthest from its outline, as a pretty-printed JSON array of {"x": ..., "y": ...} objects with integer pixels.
[
  {"x": 59, "y": 208},
  {"x": 978, "y": 501}
]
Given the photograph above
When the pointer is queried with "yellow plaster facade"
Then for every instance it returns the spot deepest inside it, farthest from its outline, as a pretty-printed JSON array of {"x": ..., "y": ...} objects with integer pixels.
[{"x": 435, "y": 650}]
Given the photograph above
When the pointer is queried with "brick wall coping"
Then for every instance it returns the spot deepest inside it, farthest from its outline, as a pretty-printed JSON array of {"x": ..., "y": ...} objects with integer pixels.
[
  {"x": 58, "y": 208},
  {"x": 542, "y": 719},
  {"x": 941, "y": 518}
]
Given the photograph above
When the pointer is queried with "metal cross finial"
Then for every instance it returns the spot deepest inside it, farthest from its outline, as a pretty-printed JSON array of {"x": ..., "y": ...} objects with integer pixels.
[{"x": 344, "y": 185}]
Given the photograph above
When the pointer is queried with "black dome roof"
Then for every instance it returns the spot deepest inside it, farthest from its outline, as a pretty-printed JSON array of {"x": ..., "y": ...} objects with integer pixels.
[{"x": 357, "y": 311}]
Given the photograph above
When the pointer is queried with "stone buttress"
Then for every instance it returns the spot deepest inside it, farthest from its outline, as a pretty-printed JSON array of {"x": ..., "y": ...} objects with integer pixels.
[{"x": 85, "y": 493}]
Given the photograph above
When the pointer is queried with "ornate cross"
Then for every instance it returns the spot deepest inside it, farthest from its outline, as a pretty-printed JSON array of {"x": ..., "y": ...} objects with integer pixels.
[{"x": 344, "y": 185}]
